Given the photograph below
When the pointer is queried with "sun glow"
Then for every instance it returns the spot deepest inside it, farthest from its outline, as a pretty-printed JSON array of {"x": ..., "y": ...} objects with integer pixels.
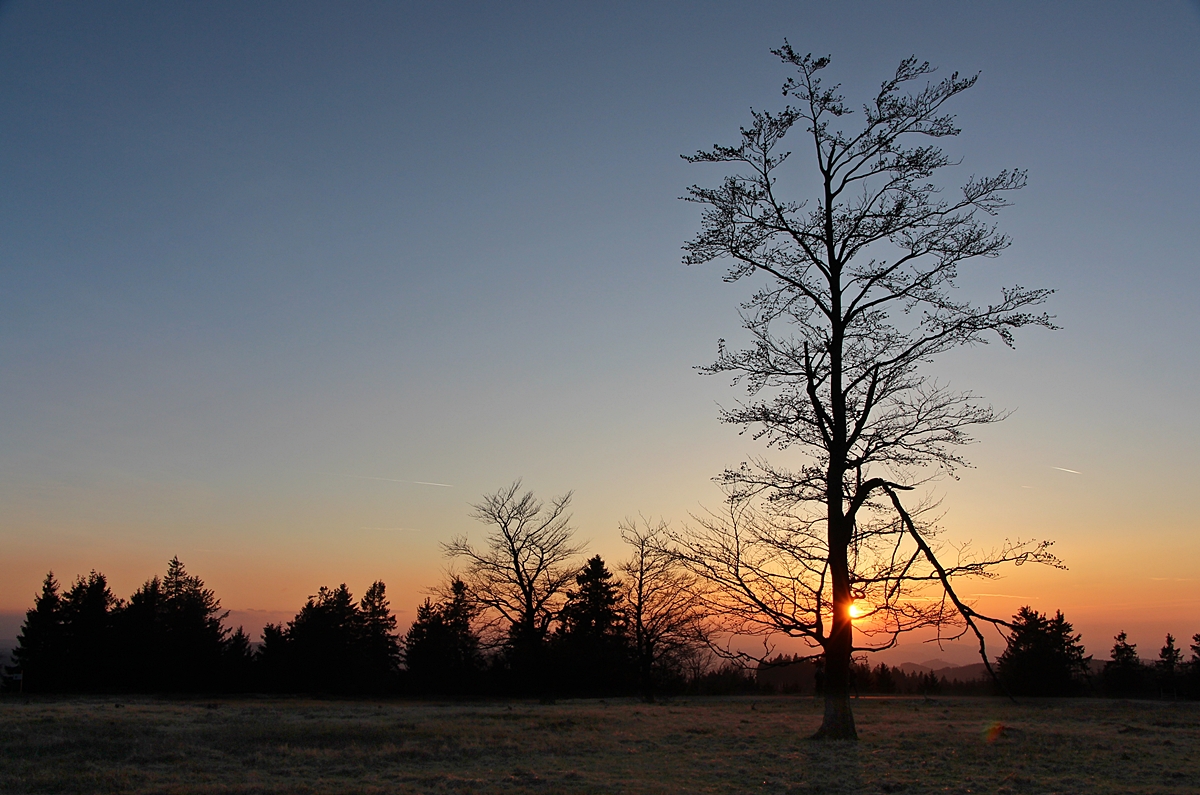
[{"x": 856, "y": 611}]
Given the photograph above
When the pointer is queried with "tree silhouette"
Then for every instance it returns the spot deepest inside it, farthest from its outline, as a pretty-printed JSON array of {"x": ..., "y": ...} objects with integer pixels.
[
  {"x": 854, "y": 299},
  {"x": 441, "y": 648},
  {"x": 665, "y": 623},
  {"x": 238, "y": 672},
  {"x": 1170, "y": 661},
  {"x": 41, "y": 642},
  {"x": 519, "y": 577},
  {"x": 1043, "y": 657},
  {"x": 1193, "y": 668},
  {"x": 590, "y": 641},
  {"x": 88, "y": 648},
  {"x": 333, "y": 644},
  {"x": 380, "y": 643},
  {"x": 1123, "y": 672},
  {"x": 883, "y": 679},
  {"x": 170, "y": 636}
]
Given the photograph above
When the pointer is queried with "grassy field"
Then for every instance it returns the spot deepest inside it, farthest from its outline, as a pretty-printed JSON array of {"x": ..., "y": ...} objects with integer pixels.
[{"x": 694, "y": 745}]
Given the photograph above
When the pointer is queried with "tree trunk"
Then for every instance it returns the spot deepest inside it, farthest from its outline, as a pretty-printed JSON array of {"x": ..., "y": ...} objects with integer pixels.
[{"x": 838, "y": 723}]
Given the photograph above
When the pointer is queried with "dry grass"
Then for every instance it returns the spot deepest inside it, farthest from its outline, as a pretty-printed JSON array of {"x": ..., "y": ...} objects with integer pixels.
[{"x": 687, "y": 746}]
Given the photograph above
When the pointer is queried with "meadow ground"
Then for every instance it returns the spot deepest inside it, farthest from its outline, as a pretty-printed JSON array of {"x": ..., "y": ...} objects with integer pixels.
[{"x": 688, "y": 745}]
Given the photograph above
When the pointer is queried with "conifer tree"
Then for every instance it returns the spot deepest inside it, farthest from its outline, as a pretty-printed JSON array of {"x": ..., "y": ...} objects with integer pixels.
[
  {"x": 592, "y": 649},
  {"x": 442, "y": 648},
  {"x": 38, "y": 656},
  {"x": 87, "y": 611},
  {"x": 1123, "y": 672},
  {"x": 1170, "y": 660},
  {"x": 380, "y": 645},
  {"x": 1043, "y": 657},
  {"x": 170, "y": 634},
  {"x": 324, "y": 638}
]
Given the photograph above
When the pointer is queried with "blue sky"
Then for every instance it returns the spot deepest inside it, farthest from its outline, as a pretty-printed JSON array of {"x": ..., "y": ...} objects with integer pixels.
[{"x": 253, "y": 257}]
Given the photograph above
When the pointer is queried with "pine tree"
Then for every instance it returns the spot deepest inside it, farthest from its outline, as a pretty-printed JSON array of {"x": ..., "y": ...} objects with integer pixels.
[
  {"x": 39, "y": 651},
  {"x": 883, "y": 679},
  {"x": 325, "y": 639},
  {"x": 441, "y": 648},
  {"x": 87, "y": 611},
  {"x": 1170, "y": 660},
  {"x": 591, "y": 643},
  {"x": 380, "y": 646},
  {"x": 170, "y": 634},
  {"x": 1123, "y": 672},
  {"x": 1043, "y": 657},
  {"x": 1193, "y": 669},
  {"x": 237, "y": 663}
]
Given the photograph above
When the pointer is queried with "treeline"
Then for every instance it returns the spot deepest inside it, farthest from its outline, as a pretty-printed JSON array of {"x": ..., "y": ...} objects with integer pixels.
[
  {"x": 525, "y": 615},
  {"x": 1044, "y": 657},
  {"x": 795, "y": 674},
  {"x": 169, "y": 637}
]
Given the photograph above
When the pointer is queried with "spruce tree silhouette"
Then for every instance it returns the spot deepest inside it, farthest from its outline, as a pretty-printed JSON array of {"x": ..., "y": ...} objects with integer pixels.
[
  {"x": 323, "y": 638},
  {"x": 883, "y": 679},
  {"x": 441, "y": 648},
  {"x": 41, "y": 642},
  {"x": 1123, "y": 673},
  {"x": 238, "y": 673},
  {"x": 139, "y": 635},
  {"x": 379, "y": 645},
  {"x": 1043, "y": 657},
  {"x": 334, "y": 645},
  {"x": 169, "y": 636},
  {"x": 1193, "y": 668},
  {"x": 87, "y": 610},
  {"x": 1170, "y": 662},
  {"x": 591, "y": 646}
]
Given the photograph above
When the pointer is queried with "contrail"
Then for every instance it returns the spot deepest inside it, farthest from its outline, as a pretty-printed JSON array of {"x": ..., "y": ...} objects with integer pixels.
[
  {"x": 1064, "y": 469},
  {"x": 394, "y": 480},
  {"x": 1005, "y": 595}
]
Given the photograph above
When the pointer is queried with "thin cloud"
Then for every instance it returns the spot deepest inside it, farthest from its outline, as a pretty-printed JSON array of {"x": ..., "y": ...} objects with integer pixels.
[
  {"x": 1064, "y": 469},
  {"x": 394, "y": 480},
  {"x": 405, "y": 529}
]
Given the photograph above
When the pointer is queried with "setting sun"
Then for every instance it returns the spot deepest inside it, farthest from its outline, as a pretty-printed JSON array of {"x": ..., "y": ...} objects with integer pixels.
[{"x": 856, "y": 611}]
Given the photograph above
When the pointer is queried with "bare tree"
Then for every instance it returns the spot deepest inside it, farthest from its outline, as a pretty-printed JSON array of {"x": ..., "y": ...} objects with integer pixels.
[
  {"x": 664, "y": 617},
  {"x": 519, "y": 577},
  {"x": 854, "y": 299}
]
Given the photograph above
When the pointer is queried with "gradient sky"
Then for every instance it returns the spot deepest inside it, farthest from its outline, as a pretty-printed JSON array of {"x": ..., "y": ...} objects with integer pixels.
[{"x": 269, "y": 270}]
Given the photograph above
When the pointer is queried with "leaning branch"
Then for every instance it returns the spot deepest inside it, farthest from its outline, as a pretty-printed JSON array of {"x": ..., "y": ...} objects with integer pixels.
[{"x": 969, "y": 614}]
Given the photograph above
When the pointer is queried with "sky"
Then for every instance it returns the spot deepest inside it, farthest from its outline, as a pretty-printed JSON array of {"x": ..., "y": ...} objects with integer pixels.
[{"x": 286, "y": 287}]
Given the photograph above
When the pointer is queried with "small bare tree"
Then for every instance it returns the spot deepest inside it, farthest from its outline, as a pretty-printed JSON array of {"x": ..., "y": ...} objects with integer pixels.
[
  {"x": 665, "y": 619},
  {"x": 519, "y": 577},
  {"x": 854, "y": 302}
]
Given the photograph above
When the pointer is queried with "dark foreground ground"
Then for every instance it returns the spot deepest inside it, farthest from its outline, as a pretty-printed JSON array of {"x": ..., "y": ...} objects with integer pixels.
[{"x": 685, "y": 746}]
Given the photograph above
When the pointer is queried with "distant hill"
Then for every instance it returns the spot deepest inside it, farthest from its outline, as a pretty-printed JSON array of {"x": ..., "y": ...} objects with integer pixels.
[{"x": 944, "y": 670}]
